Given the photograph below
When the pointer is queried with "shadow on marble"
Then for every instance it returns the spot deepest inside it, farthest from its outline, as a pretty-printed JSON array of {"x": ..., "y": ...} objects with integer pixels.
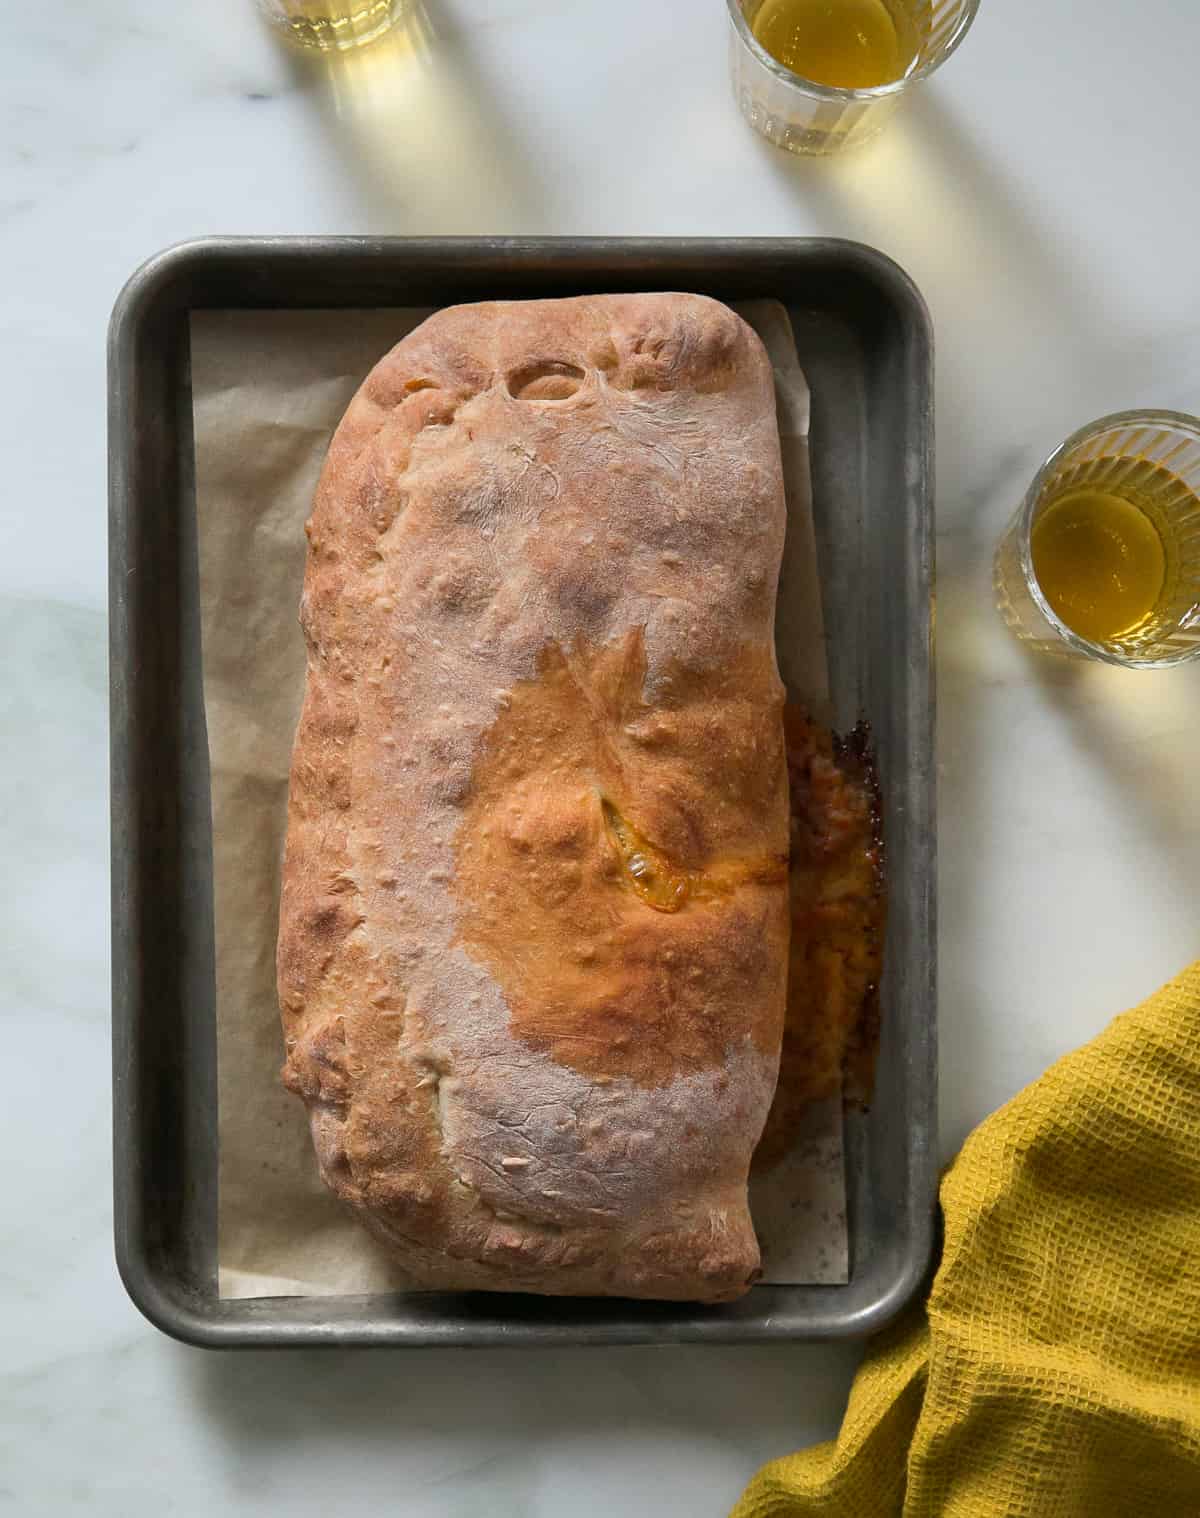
[
  {"x": 1067, "y": 807},
  {"x": 1129, "y": 723},
  {"x": 1009, "y": 296},
  {"x": 420, "y": 133},
  {"x": 691, "y": 1424},
  {"x": 53, "y": 733},
  {"x": 931, "y": 197}
]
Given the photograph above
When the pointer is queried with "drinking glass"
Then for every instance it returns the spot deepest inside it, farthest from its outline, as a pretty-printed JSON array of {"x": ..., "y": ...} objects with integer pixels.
[
  {"x": 1151, "y": 460},
  {"x": 804, "y": 117}
]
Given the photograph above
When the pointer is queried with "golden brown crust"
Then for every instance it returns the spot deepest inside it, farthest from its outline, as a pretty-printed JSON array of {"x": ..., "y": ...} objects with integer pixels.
[
  {"x": 541, "y": 583},
  {"x": 602, "y": 976}
]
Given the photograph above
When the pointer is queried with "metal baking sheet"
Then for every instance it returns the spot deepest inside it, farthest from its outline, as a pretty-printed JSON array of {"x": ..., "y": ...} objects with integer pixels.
[{"x": 864, "y": 341}]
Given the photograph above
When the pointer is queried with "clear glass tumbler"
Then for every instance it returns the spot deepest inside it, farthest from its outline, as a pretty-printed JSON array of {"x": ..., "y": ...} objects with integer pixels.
[
  {"x": 804, "y": 117},
  {"x": 332, "y": 25},
  {"x": 1149, "y": 460}
]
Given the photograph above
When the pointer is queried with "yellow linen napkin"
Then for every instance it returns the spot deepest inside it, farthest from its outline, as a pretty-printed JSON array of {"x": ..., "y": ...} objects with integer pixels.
[{"x": 1055, "y": 1370}]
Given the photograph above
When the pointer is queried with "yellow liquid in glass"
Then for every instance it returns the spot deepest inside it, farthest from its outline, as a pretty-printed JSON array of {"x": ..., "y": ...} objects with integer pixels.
[
  {"x": 851, "y": 44},
  {"x": 1099, "y": 561}
]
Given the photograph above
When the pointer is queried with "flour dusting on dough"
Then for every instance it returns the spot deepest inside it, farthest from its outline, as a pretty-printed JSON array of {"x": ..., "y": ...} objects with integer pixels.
[{"x": 514, "y": 483}]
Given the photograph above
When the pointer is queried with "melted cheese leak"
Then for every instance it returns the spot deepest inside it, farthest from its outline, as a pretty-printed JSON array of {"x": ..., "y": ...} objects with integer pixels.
[
  {"x": 652, "y": 876},
  {"x": 647, "y": 870}
]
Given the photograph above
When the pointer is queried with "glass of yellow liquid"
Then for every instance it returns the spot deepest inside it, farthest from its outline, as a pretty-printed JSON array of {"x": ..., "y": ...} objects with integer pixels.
[
  {"x": 331, "y": 25},
  {"x": 1102, "y": 559},
  {"x": 816, "y": 76}
]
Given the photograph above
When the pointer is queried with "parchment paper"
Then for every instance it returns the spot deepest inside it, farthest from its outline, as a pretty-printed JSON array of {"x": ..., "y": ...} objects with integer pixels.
[{"x": 268, "y": 390}]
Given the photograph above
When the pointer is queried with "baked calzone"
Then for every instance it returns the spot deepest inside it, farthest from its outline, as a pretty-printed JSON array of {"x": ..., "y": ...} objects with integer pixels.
[{"x": 534, "y": 928}]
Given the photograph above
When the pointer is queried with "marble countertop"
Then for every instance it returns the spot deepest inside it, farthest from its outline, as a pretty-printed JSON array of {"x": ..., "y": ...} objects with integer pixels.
[{"x": 1041, "y": 191}]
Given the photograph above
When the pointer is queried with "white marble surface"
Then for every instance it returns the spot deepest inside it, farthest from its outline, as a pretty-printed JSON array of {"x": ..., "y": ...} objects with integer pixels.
[{"x": 1042, "y": 194}]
